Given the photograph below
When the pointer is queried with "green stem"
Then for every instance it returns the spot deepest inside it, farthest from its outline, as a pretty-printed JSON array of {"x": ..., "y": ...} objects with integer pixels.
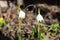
[
  {"x": 19, "y": 21},
  {"x": 38, "y": 11},
  {"x": 19, "y": 25},
  {"x": 19, "y": 30},
  {"x": 39, "y": 33},
  {"x": 20, "y": 36},
  {"x": 19, "y": 7}
]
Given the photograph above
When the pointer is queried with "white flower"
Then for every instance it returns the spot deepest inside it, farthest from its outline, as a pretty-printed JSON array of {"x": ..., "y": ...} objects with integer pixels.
[
  {"x": 39, "y": 18},
  {"x": 21, "y": 14}
]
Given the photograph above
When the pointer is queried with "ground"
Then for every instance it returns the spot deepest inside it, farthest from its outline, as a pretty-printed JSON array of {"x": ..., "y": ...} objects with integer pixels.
[{"x": 50, "y": 13}]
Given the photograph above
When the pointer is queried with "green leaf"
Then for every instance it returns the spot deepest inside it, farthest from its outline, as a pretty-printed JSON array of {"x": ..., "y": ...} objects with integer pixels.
[
  {"x": 33, "y": 31},
  {"x": 9, "y": 27},
  {"x": 54, "y": 26},
  {"x": 27, "y": 39},
  {"x": 45, "y": 38},
  {"x": 20, "y": 37},
  {"x": 45, "y": 28}
]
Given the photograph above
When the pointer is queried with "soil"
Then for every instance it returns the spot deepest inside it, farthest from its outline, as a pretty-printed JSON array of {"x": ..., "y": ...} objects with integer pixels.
[{"x": 50, "y": 13}]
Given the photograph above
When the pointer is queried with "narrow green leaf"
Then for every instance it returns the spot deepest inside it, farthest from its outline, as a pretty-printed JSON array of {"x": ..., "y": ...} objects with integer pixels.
[{"x": 19, "y": 37}]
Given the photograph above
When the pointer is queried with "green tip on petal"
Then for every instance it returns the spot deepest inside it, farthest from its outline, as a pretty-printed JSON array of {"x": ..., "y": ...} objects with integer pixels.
[{"x": 38, "y": 11}]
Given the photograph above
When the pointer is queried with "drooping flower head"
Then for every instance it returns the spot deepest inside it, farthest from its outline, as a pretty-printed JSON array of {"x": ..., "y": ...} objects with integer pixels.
[
  {"x": 39, "y": 17},
  {"x": 21, "y": 14}
]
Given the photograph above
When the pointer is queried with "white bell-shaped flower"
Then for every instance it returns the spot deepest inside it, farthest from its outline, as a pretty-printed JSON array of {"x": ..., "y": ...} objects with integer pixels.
[
  {"x": 39, "y": 18},
  {"x": 21, "y": 14}
]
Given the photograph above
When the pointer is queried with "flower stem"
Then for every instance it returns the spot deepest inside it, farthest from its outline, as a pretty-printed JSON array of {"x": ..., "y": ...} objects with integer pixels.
[
  {"x": 19, "y": 30},
  {"x": 38, "y": 11},
  {"x": 39, "y": 33},
  {"x": 19, "y": 24},
  {"x": 19, "y": 21},
  {"x": 20, "y": 37}
]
